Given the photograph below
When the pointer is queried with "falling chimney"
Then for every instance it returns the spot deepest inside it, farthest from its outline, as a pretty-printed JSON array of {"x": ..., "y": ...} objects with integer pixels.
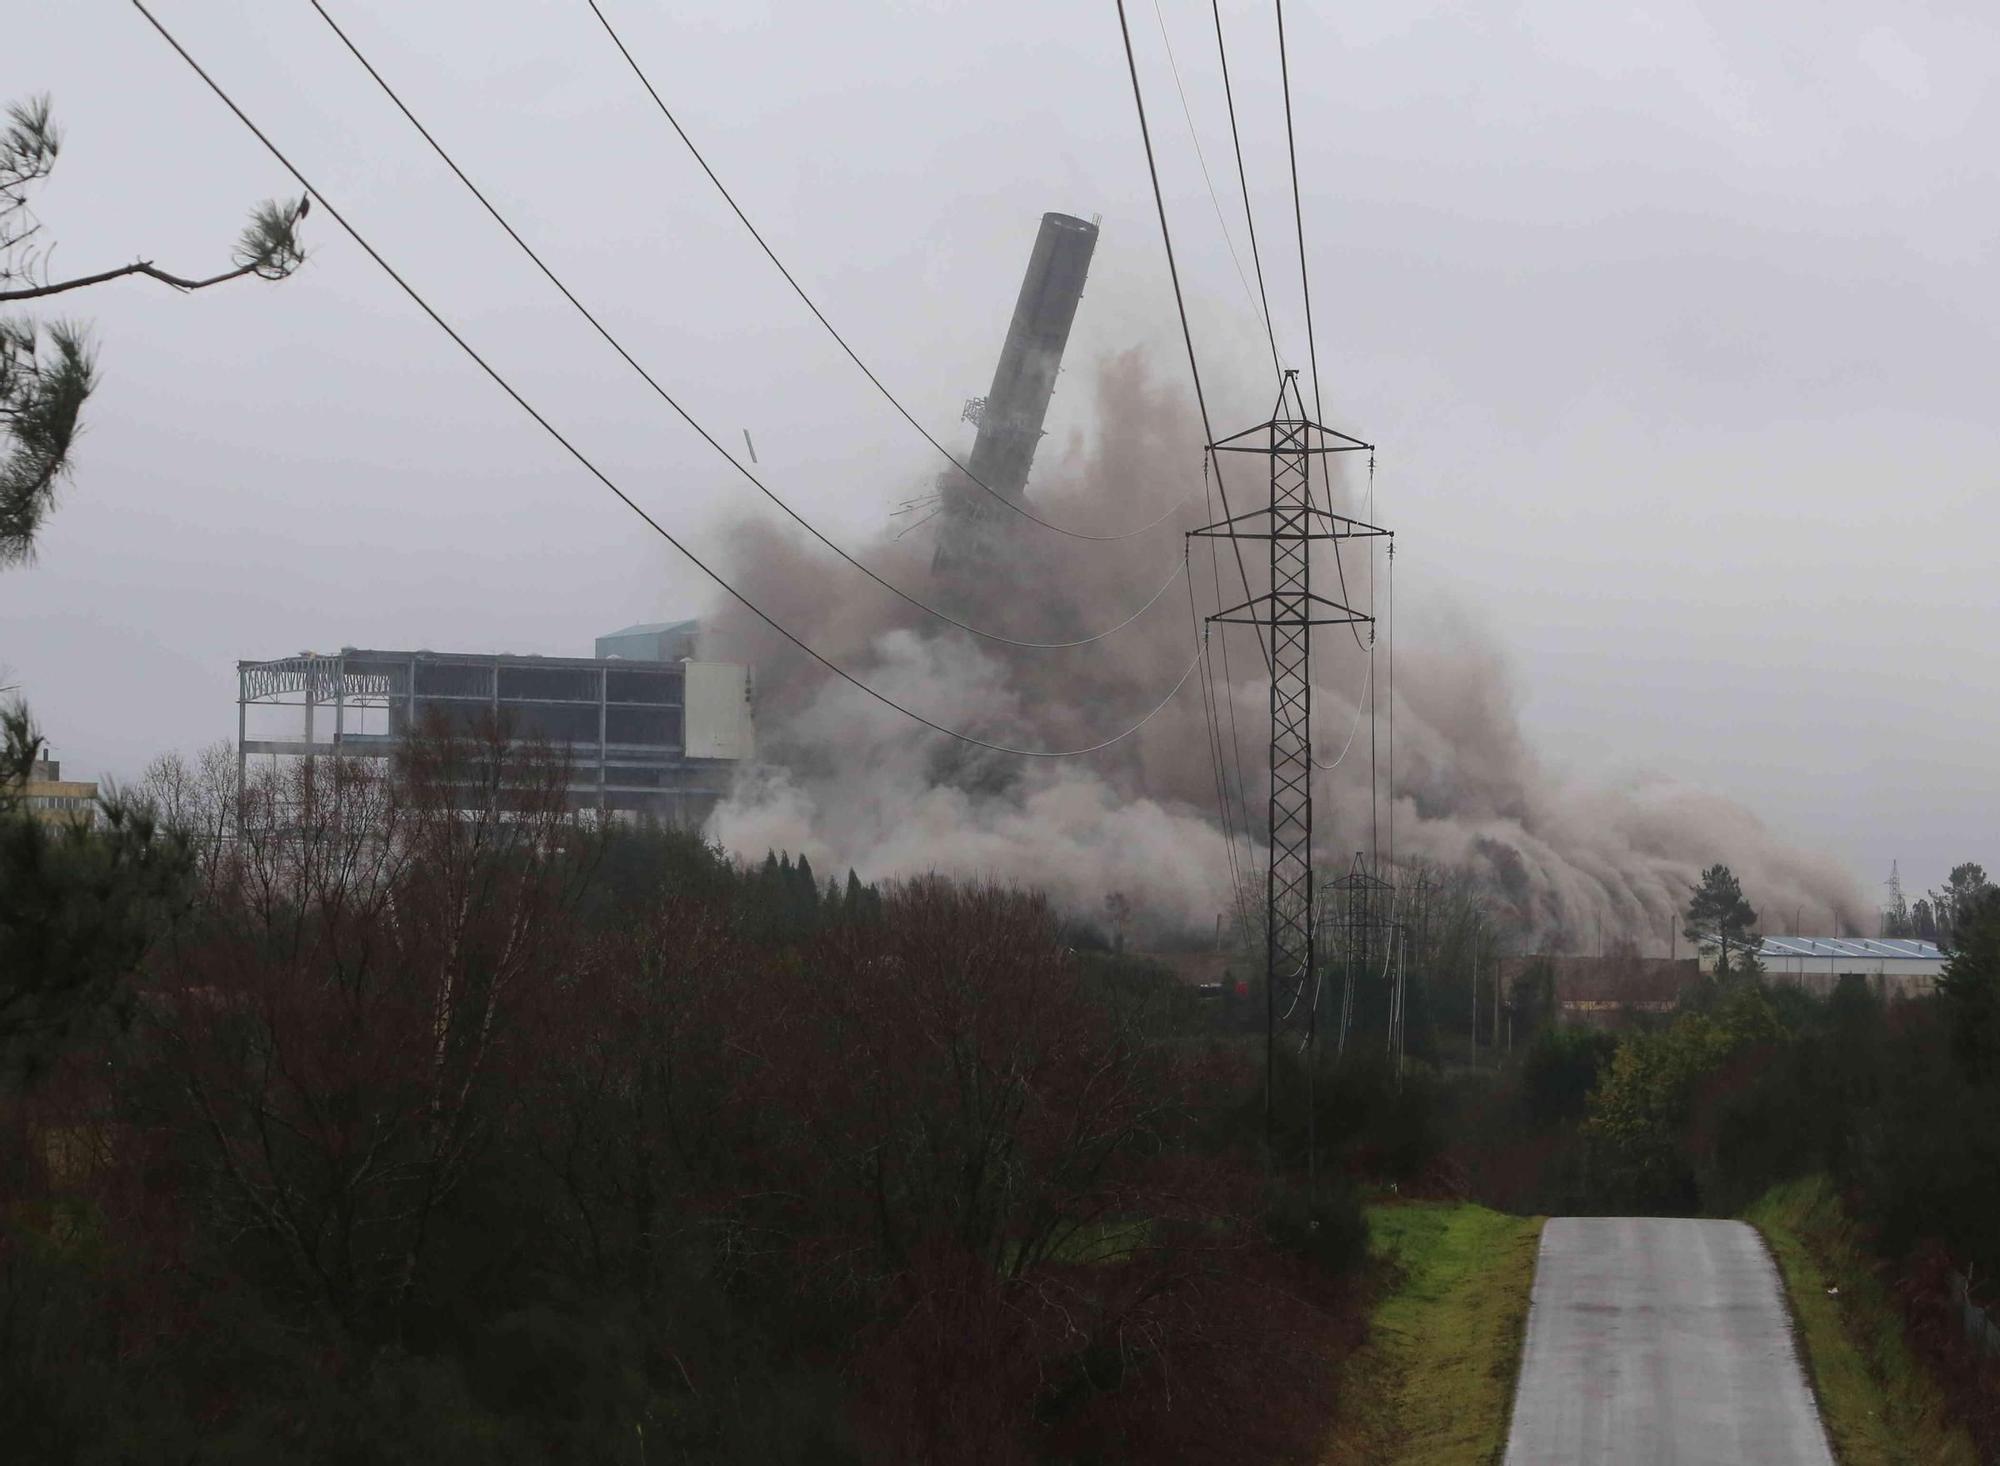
[{"x": 1010, "y": 416}]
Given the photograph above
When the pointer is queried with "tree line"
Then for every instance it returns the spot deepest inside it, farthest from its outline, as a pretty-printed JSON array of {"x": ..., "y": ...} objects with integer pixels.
[
  {"x": 394, "y": 1111},
  {"x": 1941, "y": 915}
]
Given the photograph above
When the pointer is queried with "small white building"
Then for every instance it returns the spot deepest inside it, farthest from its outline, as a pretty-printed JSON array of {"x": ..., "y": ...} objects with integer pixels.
[{"x": 1892, "y": 965}]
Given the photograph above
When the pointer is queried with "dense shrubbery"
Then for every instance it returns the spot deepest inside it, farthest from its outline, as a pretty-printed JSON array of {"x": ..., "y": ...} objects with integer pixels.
[
  {"x": 1754, "y": 1083},
  {"x": 414, "y": 1134}
]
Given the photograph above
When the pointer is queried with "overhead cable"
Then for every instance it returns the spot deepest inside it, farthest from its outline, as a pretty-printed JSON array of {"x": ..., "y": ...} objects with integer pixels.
[
  {"x": 1243, "y": 182},
  {"x": 1194, "y": 136},
  {"x": 1228, "y": 678},
  {"x": 1212, "y": 726},
  {"x": 1360, "y": 702},
  {"x": 1305, "y": 288},
  {"x": 685, "y": 416},
  {"x": 1180, "y": 304},
  {"x": 1392, "y": 704},
  {"x": 841, "y": 341},
  {"x": 597, "y": 473}
]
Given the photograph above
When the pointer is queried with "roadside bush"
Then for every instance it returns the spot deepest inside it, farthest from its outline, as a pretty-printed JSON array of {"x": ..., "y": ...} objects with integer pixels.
[{"x": 1559, "y": 1071}]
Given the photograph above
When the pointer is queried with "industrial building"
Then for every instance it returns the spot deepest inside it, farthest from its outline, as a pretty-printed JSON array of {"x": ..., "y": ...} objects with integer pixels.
[
  {"x": 652, "y": 641},
  {"x": 647, "y": 736},
  {"x": 1608, "y": 991},
  {"x": 49, "y": 797},
  {"x": 1891, "y": 965}
]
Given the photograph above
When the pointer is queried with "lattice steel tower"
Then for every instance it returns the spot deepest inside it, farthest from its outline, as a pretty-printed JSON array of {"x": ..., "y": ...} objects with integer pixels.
[{"x": 1292, "y": 522}]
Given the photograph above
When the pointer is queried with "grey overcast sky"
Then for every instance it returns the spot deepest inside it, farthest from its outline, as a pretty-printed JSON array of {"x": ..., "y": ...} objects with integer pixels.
[{"x": 1676, "y": 322}]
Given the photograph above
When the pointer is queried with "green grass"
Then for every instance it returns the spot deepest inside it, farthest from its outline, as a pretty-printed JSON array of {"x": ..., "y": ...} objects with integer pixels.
[
  {"x": 1435, "y": 1381},
  {"x": 1880, "y": 1407}
]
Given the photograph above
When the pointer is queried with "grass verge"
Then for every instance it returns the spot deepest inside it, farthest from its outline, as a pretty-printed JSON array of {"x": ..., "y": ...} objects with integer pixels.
[
  {"x": 1880, "y": 1406},
  {"x": 1435, "y": 1381}
]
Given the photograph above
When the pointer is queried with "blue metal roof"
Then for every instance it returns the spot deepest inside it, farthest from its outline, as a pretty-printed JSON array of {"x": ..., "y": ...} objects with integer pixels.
[{"x": 1824, "y": 947}]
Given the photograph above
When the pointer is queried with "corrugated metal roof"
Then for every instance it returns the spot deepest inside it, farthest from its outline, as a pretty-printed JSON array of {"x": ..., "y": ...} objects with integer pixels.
[
  {"x": 1898, "y": 947},
  {"x": 653, "y": 628}
]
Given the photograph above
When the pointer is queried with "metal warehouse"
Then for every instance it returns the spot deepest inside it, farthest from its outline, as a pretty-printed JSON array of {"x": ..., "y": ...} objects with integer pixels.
[{"x": 1894, "y": 965}]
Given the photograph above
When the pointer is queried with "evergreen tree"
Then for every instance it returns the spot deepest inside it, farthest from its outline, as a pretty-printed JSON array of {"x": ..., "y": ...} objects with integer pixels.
[
  {"x": 79, "y": 904},
  {"x": 1970, "y": 987},
  {"x": 802, "y": 900},
  {"x": 1719, "y": 918},
  {"x": 1923, "y": 925},
  {"x": 1952, "y": 906},
  {"x": 46, "y": 376}
]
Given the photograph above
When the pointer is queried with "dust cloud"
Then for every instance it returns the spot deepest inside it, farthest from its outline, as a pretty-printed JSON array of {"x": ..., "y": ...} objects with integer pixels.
[{"x": 851, "y": 782}]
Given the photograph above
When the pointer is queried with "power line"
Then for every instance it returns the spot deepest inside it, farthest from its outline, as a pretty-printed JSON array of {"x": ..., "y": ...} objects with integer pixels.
[
  {"x": 1194, "y": 136},
  {"x": 1360, "y": 701},
  {"x": 819, "y": 315},
  {"x": 1375, "y": 830},
  {"x": 1291, "y": 146},
  {"x": 1229, "y": 681},
  {"x": 1305, "y": 288},
  {"x": 1212, "y": 726},
  {"x": 597, "y": 473},
  {"x": 668, "y": 398},
  {"x": 1180, "y": 301},
  {"x": 1243, "y": 180},
  {"x": 1201, "y": 402}
]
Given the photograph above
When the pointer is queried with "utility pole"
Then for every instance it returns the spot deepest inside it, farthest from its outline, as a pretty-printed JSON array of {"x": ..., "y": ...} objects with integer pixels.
[
  {"x": 1291, "y": 522},
  {"x": 1472, "y": 1043}
]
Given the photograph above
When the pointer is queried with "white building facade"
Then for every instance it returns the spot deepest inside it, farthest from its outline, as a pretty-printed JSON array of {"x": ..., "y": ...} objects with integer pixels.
[{"x": 1891, "y": 965}]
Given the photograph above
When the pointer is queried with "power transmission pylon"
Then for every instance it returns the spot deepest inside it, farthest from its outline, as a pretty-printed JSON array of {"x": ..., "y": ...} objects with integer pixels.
[{"x": 1292, "y": 522}]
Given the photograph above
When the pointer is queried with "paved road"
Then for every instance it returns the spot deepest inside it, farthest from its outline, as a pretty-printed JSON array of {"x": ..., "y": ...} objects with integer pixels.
[{"x": 1659, "y": 1341}]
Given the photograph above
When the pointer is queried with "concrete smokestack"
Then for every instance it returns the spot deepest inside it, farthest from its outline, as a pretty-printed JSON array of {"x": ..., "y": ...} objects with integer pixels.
[{"x": 1010, "y": 420}]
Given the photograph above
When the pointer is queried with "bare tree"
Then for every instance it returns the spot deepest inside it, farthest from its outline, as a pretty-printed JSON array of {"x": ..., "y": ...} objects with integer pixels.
[
  {"x": 337, "y": 1012},
  {"x": 197, "y": 802}
]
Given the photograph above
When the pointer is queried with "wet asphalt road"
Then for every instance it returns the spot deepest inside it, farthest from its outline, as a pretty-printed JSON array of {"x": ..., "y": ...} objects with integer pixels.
[{"x": 1660, "y": 1341}]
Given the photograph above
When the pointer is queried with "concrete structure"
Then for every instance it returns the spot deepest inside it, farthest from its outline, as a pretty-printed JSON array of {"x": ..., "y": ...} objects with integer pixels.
[
  {"x": 1011, "y": 415},
  {"x": 652, "y": 641},
  {"x": 646, "y": 738},
  {"x": 54, "y": 800},
  {"x": 1891, "y": 966},
  {"x": 1662, "y": 1340}
]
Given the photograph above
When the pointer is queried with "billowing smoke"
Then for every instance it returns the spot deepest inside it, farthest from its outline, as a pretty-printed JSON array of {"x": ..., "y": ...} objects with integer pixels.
[{"x": 851, "y": 782}]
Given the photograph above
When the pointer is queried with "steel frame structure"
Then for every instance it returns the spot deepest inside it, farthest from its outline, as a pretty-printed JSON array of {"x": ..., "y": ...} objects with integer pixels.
[
  {"x": 620, "y": 721},
  {"x": 1362, "y": 920},
  {"x": 1291, "y": 522}
]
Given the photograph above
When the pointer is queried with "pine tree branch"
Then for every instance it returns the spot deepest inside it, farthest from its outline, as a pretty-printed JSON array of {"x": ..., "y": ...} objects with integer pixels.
[{"x": 139, "y": 267}]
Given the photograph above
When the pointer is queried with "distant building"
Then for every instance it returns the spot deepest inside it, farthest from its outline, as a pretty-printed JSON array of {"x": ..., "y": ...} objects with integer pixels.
[
  {"x": 1611, "y": 990},
  {"x": 1892, "y": 966},
  {"x": 652, "y": 641},
  {"x": 646, "y": 736},
  {"x": 54, "y": 800},
  {"x": 1607, "y": 991}
]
